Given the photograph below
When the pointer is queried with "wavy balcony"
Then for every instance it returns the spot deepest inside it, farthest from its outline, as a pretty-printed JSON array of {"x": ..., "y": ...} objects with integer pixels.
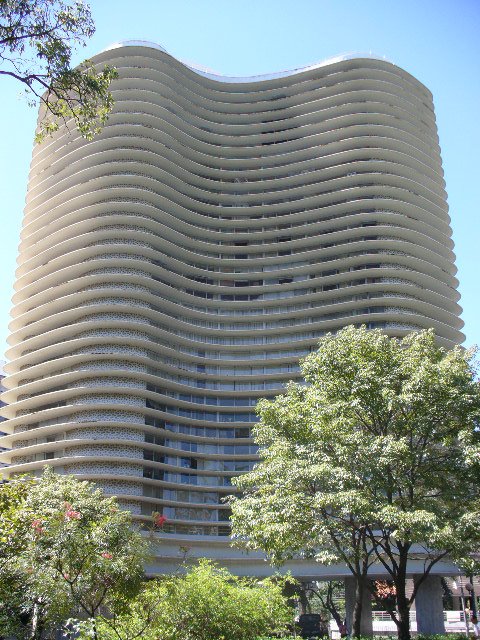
[{"x": 173, "y": 270}]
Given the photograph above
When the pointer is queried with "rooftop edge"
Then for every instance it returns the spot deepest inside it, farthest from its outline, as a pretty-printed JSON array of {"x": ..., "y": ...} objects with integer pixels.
[{"x": 213, "y": 75}]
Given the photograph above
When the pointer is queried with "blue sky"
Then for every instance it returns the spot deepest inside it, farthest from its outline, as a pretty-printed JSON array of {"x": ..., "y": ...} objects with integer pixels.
[{"x": 438, "y": 41}]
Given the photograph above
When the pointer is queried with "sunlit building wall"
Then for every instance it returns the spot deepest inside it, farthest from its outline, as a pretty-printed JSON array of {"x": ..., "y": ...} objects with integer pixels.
[{"x": 174, "y": 270}]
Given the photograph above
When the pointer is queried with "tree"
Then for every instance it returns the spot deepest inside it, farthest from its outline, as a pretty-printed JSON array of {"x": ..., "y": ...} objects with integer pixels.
[
  {"x": 330, "y": 595},
  {"x": 325, "y": 598},
  {"x": 14, "y": 616},
  {"x": 207, "y": 603},
  {"x": 79, "y": 552},
  {"x": 374, "y": 462},
  {"x": 12, "y": 496},
  {"x": 37, "y": 40}
]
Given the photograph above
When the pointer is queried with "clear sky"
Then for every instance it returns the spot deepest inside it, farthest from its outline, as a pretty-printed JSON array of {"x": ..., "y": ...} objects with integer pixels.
[{"x": 438, "y": 41}]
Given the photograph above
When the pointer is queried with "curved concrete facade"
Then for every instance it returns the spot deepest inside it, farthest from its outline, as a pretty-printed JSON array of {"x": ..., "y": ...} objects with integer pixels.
[{"x": 173, "y": 270}]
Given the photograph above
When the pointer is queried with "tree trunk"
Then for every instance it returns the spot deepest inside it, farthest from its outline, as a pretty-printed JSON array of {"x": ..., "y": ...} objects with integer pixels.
[
  {"x": 328, "y": 603},
  {"x": 403, "y": 606},
  {"x": 403, "y": 623},
  {"x": 357, "y": 609},
  {"x": 94, "y": 628},
  {"x": 37, "y": 623}
]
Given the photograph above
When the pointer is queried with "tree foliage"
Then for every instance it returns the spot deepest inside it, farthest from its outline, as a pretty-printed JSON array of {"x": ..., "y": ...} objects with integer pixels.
[
  {"x": 77, "y": 552},
  {"x": 138, "y": 617},
  {"x": 37, "y": 40},
  {"x": 12, "y": 497},
  {"x": 373, "y": 462},
  {"x": 14, "y": 617},
  {"x": 206, "y": 603}
]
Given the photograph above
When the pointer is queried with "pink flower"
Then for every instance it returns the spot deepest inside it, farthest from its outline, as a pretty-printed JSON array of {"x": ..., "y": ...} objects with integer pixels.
[
  {"x": 66, "y": 576},
  {"x": 159, "y": 520},
  {"x": 71, "y": 514},
  {"x": 37, "y": 525},
  {"x": 106, "y": 555}
]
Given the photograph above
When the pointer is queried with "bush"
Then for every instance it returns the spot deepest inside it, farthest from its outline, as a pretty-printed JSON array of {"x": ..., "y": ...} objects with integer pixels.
[{"x": 206, "y": 603}]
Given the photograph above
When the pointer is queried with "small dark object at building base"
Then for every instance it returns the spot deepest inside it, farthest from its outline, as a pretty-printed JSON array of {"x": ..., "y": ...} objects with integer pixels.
[{"x": 312, "y": 626}]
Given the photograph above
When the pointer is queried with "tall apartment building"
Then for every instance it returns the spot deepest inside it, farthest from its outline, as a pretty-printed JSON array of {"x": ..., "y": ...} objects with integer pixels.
[
  {"x": 175, "y": 269},
  {"x": 2, "y": 389}
]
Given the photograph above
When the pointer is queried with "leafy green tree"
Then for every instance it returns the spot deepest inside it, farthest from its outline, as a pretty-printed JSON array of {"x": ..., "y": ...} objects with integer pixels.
[
  {"x": 12, "y": 496},
  {"x": 374, "y": 461},
  {"x": 207, "y": 603},
  {"x": 14, "y": 616},
  {"x": 37, "y": 40},
  {"x": 79, "y": 552}
]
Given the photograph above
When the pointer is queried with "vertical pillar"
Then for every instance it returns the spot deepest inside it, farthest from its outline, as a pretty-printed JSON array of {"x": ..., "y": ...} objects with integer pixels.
[
  {"x": 429, "y": 606},
  {"x": 303, "y": 599},
  {"x": 366, "y": 626},
  {"x": 409, "y": 584},
  {"x": 349, "y": 602},
  {"x": 367, "y": 618}
]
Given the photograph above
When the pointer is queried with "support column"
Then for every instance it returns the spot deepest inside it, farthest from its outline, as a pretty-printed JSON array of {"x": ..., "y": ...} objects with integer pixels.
[
  {"x": 366, "y": 626},
  {"x": 429, "y": 606},
  {"x": 409, "y": 584},
  {"x": 303, "y": 599}
]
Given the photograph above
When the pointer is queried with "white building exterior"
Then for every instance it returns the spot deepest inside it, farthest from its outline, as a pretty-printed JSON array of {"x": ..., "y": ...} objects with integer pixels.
[{"x": 173, "y": 271}]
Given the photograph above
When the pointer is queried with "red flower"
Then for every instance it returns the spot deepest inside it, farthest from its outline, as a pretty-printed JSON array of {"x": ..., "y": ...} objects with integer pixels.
[
  {"x": 159, "y": 520},
  {"x": 106, "y": 555}
]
